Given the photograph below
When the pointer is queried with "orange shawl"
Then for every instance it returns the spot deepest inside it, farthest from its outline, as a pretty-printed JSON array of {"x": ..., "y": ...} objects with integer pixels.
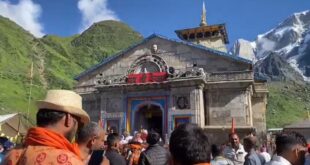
[{"x": 43, "y": 137}]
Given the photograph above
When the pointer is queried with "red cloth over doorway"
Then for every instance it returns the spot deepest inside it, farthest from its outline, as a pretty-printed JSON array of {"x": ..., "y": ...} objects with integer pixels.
[{"x": 147, "y": 77}]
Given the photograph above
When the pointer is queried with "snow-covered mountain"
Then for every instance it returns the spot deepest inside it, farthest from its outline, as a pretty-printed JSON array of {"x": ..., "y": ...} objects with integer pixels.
[
  {"x": 244, "y": 48},
  {"x": 290, "y": 40}
]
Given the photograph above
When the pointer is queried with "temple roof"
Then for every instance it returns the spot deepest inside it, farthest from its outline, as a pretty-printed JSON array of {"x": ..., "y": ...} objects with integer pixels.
[
  {"x": 202, "y": 29},
  {"x": 119, "y": 54}
]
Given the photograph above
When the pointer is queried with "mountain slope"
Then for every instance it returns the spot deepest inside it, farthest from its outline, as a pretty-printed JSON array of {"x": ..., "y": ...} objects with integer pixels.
[
  {"x": 290, "y": 40},
  {"x": 275, "y": 68},
  {"x": 56, "y": 60},
  {"x": 97, "y": 42},
  {"x": 282, "y": 56},
  {"x": 288, "y": 102},
  {"x": 16, "y": 52}
]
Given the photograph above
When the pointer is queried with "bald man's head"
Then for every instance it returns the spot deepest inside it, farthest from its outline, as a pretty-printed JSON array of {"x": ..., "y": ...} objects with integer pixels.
[{"x": 91, "y": 135}]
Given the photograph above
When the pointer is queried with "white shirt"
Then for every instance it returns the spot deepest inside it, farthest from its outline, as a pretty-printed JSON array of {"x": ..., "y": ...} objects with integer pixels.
[
  {"x": 126, "y": 140},
  {"x": 266, "y": 156},
  {"x": 219, "y": 160},
  {"x": 237, "y": 156},
  {"x": 278, "y": 160}
]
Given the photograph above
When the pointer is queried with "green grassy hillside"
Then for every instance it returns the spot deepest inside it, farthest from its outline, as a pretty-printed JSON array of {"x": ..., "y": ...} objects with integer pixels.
[
  {"x": 16, "y": 52},
  {"x": 56, "y": 60},
  {"x": 289, "y": 95},
  {"x": 288, "y": 102}
]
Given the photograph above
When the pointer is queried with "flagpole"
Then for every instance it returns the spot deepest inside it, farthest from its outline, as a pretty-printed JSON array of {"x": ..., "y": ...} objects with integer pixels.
[
  {"x": 233, "y": 126},
  {"x": 30, "y": 90}
]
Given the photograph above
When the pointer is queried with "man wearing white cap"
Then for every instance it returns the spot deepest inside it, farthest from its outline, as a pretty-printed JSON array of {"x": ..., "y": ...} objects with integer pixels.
[{"x": 58, "y": 118}]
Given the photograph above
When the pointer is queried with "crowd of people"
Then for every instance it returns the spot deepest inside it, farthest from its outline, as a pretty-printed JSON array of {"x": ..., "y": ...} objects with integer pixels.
[
  {"x": 5, "y": 146},
  {"x": 65, "y": 135}
]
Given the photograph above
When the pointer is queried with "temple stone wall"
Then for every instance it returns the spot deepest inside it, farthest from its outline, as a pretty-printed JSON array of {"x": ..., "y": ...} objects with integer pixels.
[
  {"x": 112, "y": 110},
  {"x": 221, "y": 136},
  {"x": 112, "y": 102},
  {"x": 213, "y": 43},
  {"x": 92, "y": 105},
  {"x": 223, "y": 104},
  {"x": 175, "y": 110},
  {"x": 176, "y": 55},
  {"x": 210, "y": 101},
  {"x": 259, "y": 114}
]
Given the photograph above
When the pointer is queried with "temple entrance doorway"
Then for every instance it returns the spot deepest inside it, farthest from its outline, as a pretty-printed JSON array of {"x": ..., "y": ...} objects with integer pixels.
[{"x": 149, "y": 117}]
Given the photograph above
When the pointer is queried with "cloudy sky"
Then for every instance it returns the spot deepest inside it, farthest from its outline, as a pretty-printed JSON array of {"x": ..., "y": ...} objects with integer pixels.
[{"x": 244, "y": 18}]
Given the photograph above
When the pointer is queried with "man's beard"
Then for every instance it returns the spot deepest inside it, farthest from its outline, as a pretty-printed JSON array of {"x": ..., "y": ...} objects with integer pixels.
[
  {"x": 71, "y": 134},
  {"x": 235, "y": 145}
]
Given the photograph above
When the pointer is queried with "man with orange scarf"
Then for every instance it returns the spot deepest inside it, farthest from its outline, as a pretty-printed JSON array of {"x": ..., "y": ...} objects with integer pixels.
[{"x": 58, "y": 118}]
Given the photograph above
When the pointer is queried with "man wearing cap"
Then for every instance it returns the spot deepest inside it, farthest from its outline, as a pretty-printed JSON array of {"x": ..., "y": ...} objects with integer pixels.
[{"x": 58, "y": 118}]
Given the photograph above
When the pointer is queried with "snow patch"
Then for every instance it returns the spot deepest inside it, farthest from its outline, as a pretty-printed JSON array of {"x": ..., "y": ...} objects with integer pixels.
[
  {"x": 299, "y": 27},
  {"x": 295, "y": 65},
  {"x": 302, "y": 13},
  {"x": 264, "y": 34},
  {"x": 253, "y": 44},
  {"x": 281, "y": 31},
  {"x": 287, "y": 49},
  {"x": 289, "y": 39},
  {"x": 304, "y": 46}
]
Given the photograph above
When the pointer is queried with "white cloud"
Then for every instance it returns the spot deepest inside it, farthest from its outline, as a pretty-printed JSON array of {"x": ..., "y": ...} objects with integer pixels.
[
  {"x": 94, "y": 11},
  {"x": 266, "y": 44},
  {"x": 264, "y": 47},
  {"x": 25, "y": 13}
]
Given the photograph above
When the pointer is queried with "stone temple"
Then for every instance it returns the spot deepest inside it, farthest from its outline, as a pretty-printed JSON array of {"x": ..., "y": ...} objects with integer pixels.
[{"x": 160, "y": 83}]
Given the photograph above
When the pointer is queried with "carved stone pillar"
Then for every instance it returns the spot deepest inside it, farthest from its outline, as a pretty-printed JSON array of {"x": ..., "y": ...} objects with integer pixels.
[
  {"x": 207, "y": 107},
  {"x": 249, "y": 105},
  {"x": 199, "y": 106}
]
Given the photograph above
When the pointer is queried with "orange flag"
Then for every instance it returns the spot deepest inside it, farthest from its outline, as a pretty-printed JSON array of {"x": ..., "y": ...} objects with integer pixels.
[
  {"x": 100, "y": 123},
  {"x": 233, "y": 125}
]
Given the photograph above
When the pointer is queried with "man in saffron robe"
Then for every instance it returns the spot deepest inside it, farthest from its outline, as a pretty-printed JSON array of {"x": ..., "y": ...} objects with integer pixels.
[{"x": 58, "y": 118}]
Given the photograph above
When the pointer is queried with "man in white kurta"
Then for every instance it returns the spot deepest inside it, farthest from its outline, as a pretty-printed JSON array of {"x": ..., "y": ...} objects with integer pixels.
[{"x": 235, "y": 151}]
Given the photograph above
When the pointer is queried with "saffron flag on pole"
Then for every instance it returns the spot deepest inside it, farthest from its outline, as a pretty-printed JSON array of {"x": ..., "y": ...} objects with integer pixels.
[
  {"x": 100, "y": 123},
  {"x": 233, "y": 125}
]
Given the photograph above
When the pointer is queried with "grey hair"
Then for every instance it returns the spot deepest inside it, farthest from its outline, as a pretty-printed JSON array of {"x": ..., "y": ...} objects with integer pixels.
[{"x": 88, "y": 131}]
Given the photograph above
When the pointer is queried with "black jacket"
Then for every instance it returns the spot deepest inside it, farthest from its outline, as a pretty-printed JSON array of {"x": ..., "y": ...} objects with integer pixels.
[
  {"x": 154, "y": 155},
  {"x": 115, "y": 158},
  {"x": 96, "y": 157}
]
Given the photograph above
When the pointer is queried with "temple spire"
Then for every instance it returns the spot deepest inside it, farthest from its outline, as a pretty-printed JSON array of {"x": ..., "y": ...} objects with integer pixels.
[{"x": 204, "y": 15}]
